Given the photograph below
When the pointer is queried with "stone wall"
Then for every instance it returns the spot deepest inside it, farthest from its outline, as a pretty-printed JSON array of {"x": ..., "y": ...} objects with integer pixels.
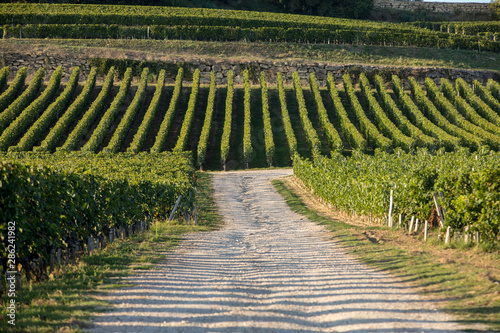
[
  {"x": 271, "y": 68},
  {"x": 438, "y": 7}
]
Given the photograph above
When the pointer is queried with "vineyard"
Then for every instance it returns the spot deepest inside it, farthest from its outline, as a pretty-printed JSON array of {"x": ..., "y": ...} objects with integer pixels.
[
  {"x": 254, "y": 125},
  {"x": 140, "y": 22},
  {"x": 267, "y": 124},
  {"x": 94, "y": 153}
]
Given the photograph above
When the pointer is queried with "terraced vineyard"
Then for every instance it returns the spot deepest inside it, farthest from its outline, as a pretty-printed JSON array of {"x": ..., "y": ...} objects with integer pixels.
[
  {"x": 255, "y": 125},
  {"x": 115, "y": 22}
]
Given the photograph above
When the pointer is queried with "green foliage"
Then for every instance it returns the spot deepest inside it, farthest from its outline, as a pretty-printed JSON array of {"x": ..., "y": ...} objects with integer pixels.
[
  {"x": 432, "y": 113},
  {"x": 35, "y": 132},
  {"x": 28, "y": 116},
  {"x": 420, "y": 120},
  {"x": 285, "y": 116},
  {"x": 476, "y": 102},
  {"x": 4, "y": 76},
  {"x": 105, "y": 22},
  {"x": 207, "y": 123},
  {"x": 247, "y": 124},
  {"x": 266, "y": 118},
  {"x": 331, "y": 134},
  {"x": 14, "y": 88},
  {"x": 386, "y": 126},
  {"x": 68, "y": 197},
  {"x": 188, "y": 117},
  {"x": 109, "y": 116},
  {"x": 54, "y": 136},
  {"x": 15, "y": 108},
  {"x": 352, "y": 134},
  {"x": 228, "y": 119},
  {"x": 162, "y": 135},
  {"x": 473, "y": 135},
  {"x": 362, "y": 184},
  {"x": 372, "y": 134},
  {"x": 465, "y": 109},
  {"x": 83, "y": 126},
  {"x": 311, "y": 134},
  {"x": 421, "y": 139},
  {"x": 486, "y": 96},
  {"x": 121, "y": 131},
  {"x": 140, "y": 137}
]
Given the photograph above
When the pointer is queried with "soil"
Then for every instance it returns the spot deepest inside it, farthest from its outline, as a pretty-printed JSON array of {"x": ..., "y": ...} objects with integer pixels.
[{"x": 267, "y": 270}]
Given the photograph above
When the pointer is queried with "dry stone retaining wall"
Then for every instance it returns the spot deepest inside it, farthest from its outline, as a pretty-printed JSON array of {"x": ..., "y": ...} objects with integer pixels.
[{"x": 271, "y": 68}]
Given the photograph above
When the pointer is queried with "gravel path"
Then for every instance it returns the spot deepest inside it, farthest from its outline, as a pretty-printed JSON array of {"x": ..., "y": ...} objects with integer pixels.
[{"x": 267, "y": 270}]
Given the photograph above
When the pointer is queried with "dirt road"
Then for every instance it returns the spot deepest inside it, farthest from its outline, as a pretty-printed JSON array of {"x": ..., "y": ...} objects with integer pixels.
[{"x": 267, "y": 270}]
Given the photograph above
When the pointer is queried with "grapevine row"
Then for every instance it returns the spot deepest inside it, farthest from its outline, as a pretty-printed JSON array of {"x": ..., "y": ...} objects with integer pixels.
[
  {"x": 285, "y": 116},
  {"x": 343, "y": 35},
  {"x": 69, "y": 197},
  {"x": 350, "y": 131},
  {"x": 361, "y": 185},
  {"x": 476, "y": 102},
  {"x": 311, "y": 134},
  {"x": 14, "y": 88},
  {"x": 161, "y": 136},
  {"x": 33, "y": 135},
  {"x": 247, "y": 129},
  {"x": 142, "y": 132},
  {"x": 188, "y": 118},
  {"x": 386, "y": 126},
  {"x": 477, "y": 135},
  {"x": 466, "y": 110},
  {"x": 494, "y": 88},
  {"x": 486, "y": 96},
  {"x": 418, "y": 118},
  {"x": 266, "y": 117},
  {"x": 20, "y": 103},
  {"x": 28, "y": 116},
  {"x": 50, "y": 142},
  {"x": 400, "y": 119},
  {"x": 126, "y": 122},
  {"x": 432, "y": 113},
  {"x": 109, "y": 116},
  {"x": 4, "y": 76},
  {"x": 330, "y": 132},
  {"x": 207, "y": 123},
  {"x": 373, "y": 136},
  {"x": 83, "y": 126},
  {"x": 228, "y": 118}
]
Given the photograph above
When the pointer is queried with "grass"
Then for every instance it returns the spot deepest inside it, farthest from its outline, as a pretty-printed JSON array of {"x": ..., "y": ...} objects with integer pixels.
[
  {"x": 463, "y": 280},
  {"x": 66, "y": 301},
  {"x": 352, "y": 54}
]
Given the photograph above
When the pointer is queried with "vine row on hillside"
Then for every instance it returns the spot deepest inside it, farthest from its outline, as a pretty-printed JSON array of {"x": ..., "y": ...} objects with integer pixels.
[
  {"x": 387, "y": 127},
  {"x": 285, "y": 116},
  {"x": 266, "y": 118},
  {"x": 207, "y": 123},
  {"x": 140, "y": 136},
  {"x": 29, "y": 115},
  {"x": 311, "y": 134},
  {"x": 83, "y": 126},
  {"x": 247, "y": 123},
  {"x": 109, "y": 116},
  {"x": 50, "y": 142},
  {"x": 161, "y": 136},
  {"x": 188, "y": 117},
  {"x": 15, "y": 108},
  {"x": 331, "y": 134},
  {"x": 35, "y": 132},
  {"x": 123, "y": 128}
]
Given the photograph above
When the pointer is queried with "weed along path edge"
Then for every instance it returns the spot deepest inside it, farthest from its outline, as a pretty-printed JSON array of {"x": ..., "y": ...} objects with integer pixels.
[{"x": 267, "y": 270}]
